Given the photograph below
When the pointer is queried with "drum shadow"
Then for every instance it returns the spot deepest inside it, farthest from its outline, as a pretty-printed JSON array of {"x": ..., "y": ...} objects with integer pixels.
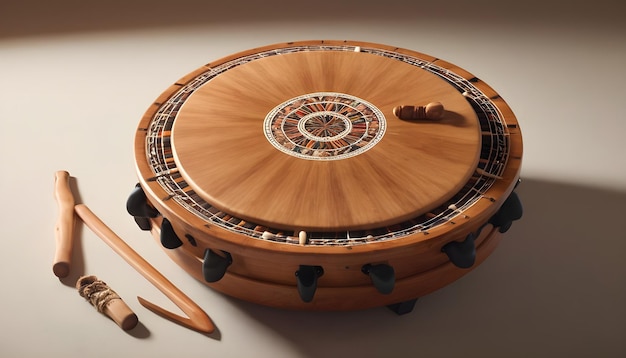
[
  {"x": 453, "y": 119},
  {"x": 555, "y": 286},
  {"x": 449, "y": 118}
]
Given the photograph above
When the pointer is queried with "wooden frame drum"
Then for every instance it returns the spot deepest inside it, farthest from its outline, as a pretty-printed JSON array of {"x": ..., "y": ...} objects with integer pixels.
[{"x": 328, "y": 175}]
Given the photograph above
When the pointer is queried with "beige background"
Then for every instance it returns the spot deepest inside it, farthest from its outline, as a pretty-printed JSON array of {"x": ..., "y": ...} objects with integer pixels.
[{"x": 77, "y": 77}]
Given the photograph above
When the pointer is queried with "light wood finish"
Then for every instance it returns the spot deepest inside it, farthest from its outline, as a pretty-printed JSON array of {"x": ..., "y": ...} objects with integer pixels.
[
  {"x": 64, "y": 229},
  {"x": 121, "y": 314},
  {"x": 266, "y": 261},
  {"x": 432, "y": 111},
  {"x": 221, "y": 150},
  {"x": 262, "y": 270},
  {"x": 197, "y": 319},
  {"x": 348, "y": 297}
]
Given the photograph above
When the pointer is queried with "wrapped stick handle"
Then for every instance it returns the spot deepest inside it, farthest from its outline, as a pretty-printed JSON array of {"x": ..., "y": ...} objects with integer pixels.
[
  {"x": 106, "y": 301},
  {"x": 197, "y": 319}
]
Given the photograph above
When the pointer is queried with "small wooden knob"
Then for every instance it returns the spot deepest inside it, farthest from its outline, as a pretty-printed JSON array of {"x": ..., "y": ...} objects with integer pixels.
[
  {"x": 432, "y": 111},
  {"x": 106, "y": 301},
  {"x": 302, "y": 237},
  {"x": 121, "y": 314}
]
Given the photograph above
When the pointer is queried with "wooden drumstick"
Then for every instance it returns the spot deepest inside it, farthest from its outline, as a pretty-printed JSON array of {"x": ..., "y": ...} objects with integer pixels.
[
  {"x": 106, "y": 301},
  {"x": 64, "y": 229},
  {"x": 433, "y": 111},
  {"x": 197, "y": 319}
]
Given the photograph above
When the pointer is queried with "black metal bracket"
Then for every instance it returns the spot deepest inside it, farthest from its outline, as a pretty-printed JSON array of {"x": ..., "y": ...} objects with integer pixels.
[
  {"x": 510, "y": 211},
  {"x": 168, "y": 237},
  {"x": 461, "y": 253},
  {"x": 306, "y": 277},
  {"x": 137, "y": 206},
  {"x": 383, "y": 277},
  {"x": 214, "y": 265},
  {"x": 403, "y": 307},
  {"x": 143, "y": 223}
]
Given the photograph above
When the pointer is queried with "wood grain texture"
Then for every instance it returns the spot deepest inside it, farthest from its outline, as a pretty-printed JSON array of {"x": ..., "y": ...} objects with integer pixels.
[
  {"x": 64, "y": 228},
  {"x": 222, "y": 153},
  {"x": 214, "y": 141},
  {"x": 196, "y": 318},
  {"x": 349, "y": 296}
]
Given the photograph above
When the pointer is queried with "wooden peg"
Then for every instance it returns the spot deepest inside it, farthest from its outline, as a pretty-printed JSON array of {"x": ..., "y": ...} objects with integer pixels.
[
  {"x": 487, "y": 174},
  {"x": 432, "y": 111},
  {"x": 302, "y": 238}
]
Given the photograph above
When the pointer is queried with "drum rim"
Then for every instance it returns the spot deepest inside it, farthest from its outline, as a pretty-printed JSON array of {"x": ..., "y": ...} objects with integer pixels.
[
  {"x": 498, "y": 191},
  {"x": 263, "y": 175}
]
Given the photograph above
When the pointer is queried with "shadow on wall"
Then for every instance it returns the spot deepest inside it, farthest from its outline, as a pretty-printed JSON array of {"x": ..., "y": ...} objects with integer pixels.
[
  {"x": 38, "y": 17},
  {"x": 556, "y": 286}
]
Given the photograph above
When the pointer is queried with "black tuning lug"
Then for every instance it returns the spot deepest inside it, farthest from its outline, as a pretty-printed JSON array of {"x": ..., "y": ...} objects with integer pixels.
[
  {"x": 306, "y": 277},
  {"x": 215, "y": 265},
  {"x": 137, "y": 206},
  {"x": 144, "y": 223},
  {"x": 383, "y": 277},
  {"x": 401, "y": 308},
  {"x": 461, "y": 253},
  {"x": 168, "y": 237},
  {"x": 510, "y": 211}
]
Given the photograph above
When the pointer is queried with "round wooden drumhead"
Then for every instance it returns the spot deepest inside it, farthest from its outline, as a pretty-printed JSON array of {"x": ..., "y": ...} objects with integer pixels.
[{"x": 308, "y": 140}]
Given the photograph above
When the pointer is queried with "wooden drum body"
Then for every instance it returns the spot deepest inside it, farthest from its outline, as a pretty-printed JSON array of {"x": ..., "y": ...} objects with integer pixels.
[{"x": 313, "y": 175}]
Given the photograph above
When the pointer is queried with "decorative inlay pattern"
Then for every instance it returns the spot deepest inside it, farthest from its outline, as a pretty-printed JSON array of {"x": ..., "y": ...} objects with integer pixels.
[
  {"x": 324, "y": 126},
  {"x": 494, "y": 155}
]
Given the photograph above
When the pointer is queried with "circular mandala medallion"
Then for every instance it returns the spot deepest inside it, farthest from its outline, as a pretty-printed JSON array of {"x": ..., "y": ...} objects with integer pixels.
[{"x": 324, "y": 126}]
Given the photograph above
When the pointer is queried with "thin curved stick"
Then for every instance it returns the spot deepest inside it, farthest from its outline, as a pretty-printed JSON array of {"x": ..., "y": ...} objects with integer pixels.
[{"x": 197, "y": 319}]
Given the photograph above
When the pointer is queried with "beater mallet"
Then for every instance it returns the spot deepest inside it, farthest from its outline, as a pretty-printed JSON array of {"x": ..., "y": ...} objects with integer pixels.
[{"x": 106, "y": 301}]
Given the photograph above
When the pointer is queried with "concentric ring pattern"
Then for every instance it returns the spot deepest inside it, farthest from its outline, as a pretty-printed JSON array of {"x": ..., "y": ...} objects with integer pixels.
[{"x": 324, "y": 126}]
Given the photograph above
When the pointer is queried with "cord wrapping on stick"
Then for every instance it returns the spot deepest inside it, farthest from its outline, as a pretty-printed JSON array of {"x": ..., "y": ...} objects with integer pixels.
[
  {"x": 106, "y": 301},
  {"x": 96, "y": 292}
]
